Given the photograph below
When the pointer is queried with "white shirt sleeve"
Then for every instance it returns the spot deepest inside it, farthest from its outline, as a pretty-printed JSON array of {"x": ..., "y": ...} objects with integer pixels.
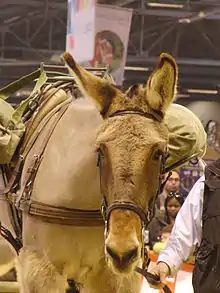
[{"x": 187, "y": 229}]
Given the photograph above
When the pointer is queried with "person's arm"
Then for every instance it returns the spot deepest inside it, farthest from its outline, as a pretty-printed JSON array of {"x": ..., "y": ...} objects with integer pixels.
[
  {"x": 187, "y": 229},
  {"x": 185, "y": 235}
]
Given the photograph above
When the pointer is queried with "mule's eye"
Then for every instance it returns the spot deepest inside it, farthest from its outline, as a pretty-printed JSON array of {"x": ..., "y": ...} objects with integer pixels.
[{"x": 157, "y": 155}]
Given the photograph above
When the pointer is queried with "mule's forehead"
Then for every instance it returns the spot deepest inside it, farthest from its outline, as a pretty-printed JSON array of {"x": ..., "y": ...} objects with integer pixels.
[
  {"x": 133, "y": 98},
  {"x": 130, "y": 128}
]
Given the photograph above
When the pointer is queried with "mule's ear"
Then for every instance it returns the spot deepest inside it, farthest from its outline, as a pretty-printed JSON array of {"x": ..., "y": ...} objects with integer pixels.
[
  {"x": 100, "y": 90},
  {"x": 161, "y": 86}
]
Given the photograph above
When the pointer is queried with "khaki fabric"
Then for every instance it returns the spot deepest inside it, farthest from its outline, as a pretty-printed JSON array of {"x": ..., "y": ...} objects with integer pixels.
[
  {"x": 6, "y": 111},
  {"x": 187, "y": 137},
  {"x": 12, "y": 127},
  {"x": 10, "y": 133}
]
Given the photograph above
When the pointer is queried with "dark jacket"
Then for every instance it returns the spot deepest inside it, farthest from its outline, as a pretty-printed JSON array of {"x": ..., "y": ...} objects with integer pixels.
[
  {"x": 206, "y": 275},
  {"x": 156, "y": 225}
]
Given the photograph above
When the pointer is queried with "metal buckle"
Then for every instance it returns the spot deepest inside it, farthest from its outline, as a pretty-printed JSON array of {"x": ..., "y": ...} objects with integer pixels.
[
  {"x": 103, "y": 211},
  {"x": 106, "y": 229}
]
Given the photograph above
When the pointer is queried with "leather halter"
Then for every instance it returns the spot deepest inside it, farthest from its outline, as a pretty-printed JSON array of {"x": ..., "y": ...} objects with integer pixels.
[
  {"x": 145, "y": 217},
  {"x": 127, "y": 206},
  {"x": 107, "y": 209},
  {"x": 156, "y": 116}
]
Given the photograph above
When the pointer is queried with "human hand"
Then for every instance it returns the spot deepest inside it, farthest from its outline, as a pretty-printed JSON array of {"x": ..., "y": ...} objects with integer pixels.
[{"x": 161, "y": 270}]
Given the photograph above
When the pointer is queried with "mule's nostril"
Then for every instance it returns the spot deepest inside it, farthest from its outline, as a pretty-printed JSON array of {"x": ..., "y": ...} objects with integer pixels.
[
  {"x": 123, "y": 259},
  {"x": 113, "y": 254},
  {"x": 130, "y": 255}
]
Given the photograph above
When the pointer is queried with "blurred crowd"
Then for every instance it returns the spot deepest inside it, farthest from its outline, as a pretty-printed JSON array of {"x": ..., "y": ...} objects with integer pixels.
[{"x": 167, "y": 207}]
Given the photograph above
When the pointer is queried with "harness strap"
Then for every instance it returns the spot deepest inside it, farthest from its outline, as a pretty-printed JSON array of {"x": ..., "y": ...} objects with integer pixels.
[
  {"x": 25, "y": 192},
  {"x": 49, "y": 213},
  {"x": 19, "y": 166},
  {"x": 62, "y": 215},
  {"x": 7, "y": 235},
  {"x": 13, "y": 213}
]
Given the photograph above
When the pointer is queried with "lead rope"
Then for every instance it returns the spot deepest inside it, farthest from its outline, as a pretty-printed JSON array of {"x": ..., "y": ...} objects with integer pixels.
[{"x": 152, "y": 279}]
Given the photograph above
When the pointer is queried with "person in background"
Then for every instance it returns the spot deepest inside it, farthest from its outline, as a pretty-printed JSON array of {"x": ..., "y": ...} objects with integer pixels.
[
  {"x": 165, "y": 235},
  {"x": 172, "y": 185},
  {"x": 197, "y": 224},
  {"x": 173, "y": 203}
]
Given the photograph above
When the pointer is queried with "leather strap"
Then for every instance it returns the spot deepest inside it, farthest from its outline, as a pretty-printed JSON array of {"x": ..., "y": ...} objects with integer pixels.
[
  {"x": 49, "y": 213},
  {"x": 26, "y": 147},
  {"x": 62, "y": 215},
  {"x": 127, "y": 206},
  {"x": 25, "y": 192},
  {"x": 7, "y": 235},
  {"x": 157, "y": 116}
]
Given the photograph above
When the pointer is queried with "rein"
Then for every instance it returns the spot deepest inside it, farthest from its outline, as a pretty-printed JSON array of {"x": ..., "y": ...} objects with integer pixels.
[{"x": 152, "y": 279}]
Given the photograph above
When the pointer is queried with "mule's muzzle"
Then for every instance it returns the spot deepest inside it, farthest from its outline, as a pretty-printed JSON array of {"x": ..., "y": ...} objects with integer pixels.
[{"x": 123, "y": 261}]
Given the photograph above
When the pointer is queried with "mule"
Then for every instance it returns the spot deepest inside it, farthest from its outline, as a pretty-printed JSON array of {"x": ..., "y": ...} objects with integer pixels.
[{"x": 126, "y": 130}]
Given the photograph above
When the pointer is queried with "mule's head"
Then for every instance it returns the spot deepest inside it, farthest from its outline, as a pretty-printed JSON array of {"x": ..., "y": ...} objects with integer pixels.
[{"x": 131, "y": 142}]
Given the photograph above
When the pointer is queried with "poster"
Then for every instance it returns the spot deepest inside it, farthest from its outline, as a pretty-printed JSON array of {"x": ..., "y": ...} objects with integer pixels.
[
  {"x": 112, "y": 27},
  {"x": 81, "y": 29},
  {"x": 213, "y": 135},
  {"x": 189, "y": 174}
]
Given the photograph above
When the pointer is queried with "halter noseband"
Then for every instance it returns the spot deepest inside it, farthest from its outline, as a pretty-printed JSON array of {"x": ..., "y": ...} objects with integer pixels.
[{"x": 127, "y": 206}]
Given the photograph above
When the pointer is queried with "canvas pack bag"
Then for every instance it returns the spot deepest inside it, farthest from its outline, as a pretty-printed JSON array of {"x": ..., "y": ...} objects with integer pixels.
[
  {"x": 187, "y": 137},
  {"x": 12, "y": 126}
]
